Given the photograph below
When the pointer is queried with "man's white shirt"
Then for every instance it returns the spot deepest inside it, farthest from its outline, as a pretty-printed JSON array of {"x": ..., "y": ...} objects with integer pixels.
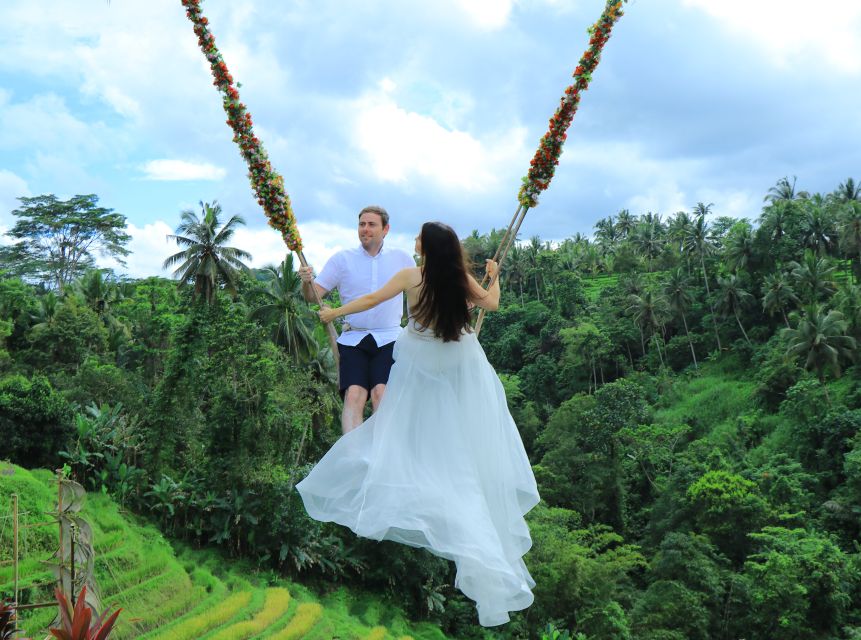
[{"x": 354, "y": 272}]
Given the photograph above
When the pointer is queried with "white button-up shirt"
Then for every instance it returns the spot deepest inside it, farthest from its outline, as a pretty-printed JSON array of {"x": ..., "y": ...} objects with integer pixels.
[{"x": 354, "y": 272}]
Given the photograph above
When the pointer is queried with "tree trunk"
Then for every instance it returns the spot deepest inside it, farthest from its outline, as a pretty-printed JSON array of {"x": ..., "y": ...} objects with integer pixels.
[
  {"x": 743, "y": 332},
  {"x": 658, "y": 347},
  {"x": 785, "y": 319},
  {"x": 690, "y": 342},
  {"x": 708, "y": 297}
]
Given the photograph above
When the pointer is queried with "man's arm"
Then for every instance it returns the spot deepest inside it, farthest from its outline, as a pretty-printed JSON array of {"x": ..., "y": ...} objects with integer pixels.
[{"x": 306, "y": 274}]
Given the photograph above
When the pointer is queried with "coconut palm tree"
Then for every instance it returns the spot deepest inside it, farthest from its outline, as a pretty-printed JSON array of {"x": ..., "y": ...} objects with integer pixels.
[
  {"x": 532, "y": 250},
  {"x": 698, "y": 242},
  {"x": 739, "y": 249},
  {"x": 625, "y": 223},
  {"x": 848, "y": 191},
  {"x": 778, "y": 295},
  {"x": 678, "y": 295},
  {"x": 649, "y": 311},
  {"x": 96, "y": 291},
  {"x": 678, "y": 227},
  {"x": 606, "y": 231},
  {"x": 849, "y": 231},
  {"x": 284, "y": 308},
  {"x": 848, "y": 302},
  {"x": 647, "y": 238},
  {"x": 774, "y": 218},
  {"x": 784, "y": 190},
  {"x": 733, "y": 298},
  {"x": 818, "y": 230},
  {"x": 820, "y": 338},
  {"x": 814, "y": 276},
  {"x": 517, "y": 265},
  {"x": 206, "y": 261}
]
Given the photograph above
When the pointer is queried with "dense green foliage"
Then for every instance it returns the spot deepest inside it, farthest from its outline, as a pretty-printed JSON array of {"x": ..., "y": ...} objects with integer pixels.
[
  {"x": 179, "y": 593},
  {"x": 686, "y": 389}
]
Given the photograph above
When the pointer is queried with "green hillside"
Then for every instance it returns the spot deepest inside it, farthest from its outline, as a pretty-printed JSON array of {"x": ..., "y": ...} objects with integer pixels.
[{"x": 169, "y": 594}]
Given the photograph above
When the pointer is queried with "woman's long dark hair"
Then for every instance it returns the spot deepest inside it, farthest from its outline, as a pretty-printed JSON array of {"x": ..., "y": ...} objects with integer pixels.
[{"x": 443, "y": 297}]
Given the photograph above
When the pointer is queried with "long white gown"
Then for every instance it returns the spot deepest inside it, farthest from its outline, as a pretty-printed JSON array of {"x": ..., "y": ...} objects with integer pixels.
[{"x": 440, "y": 465}]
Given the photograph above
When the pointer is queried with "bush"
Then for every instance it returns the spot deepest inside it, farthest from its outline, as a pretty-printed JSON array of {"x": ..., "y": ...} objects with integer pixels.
[{"x": 35, "y": 421}]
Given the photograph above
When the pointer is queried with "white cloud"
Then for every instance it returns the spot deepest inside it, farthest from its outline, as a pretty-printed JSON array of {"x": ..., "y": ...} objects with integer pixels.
[
  {"x": 11, "y": 188},
  {"x": 646, "y": 183},
  {"x": 401, "y": 144},
  {"x": 45, "y": 122},
  {"x": 732, "y": 202},
  {"x": 790, "y": 30},
  {"x": 486, "y": 14},
  {"x": 181, "y": 170},
  {"x": 149, "y": 248},
  {"x": 642, "y": 182}
]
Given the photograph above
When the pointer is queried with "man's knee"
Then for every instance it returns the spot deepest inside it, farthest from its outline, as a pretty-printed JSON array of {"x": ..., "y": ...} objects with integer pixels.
[
  {"x": 356, "y": 396},
  {"x": 377, "y": 394}
]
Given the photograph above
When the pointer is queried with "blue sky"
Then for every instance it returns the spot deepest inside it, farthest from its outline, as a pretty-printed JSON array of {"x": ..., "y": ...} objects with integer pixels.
[{"x": 432, "y": 109}]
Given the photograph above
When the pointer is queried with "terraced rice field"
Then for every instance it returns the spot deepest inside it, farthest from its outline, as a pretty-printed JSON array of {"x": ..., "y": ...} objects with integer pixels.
[{"x": 185, "y": 595}]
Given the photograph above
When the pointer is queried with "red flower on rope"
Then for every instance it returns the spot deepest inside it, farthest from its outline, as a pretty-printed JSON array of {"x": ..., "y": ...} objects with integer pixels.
[
  {"x": 268, "y": 185},
  {"x": 543, "y": 164}
]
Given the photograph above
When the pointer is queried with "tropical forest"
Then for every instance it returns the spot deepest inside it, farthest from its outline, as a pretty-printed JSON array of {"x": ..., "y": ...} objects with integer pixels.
[{"x": 685, "y": 385}]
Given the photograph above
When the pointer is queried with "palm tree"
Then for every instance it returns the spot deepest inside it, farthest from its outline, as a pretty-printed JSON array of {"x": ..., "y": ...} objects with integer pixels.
[
  {"x": 677, "y": 292},
  {"x": 632, "y": 284},
  {"x": 739, "y": 248},
  {"x": 625, "y": 223},
  {"x": 733, "y": 298},
  {"x": 785, "y": 191},
  {"x": 285, "y": 309},
  {"x": 849, "y": 230},
  {"x": 848, "y": 191},
  {"x": 779, "y": 294},
  {"x": 698, "y": 242},
  {"x": 46, "y": 312},
  {"x": 99, "y": 293},
  {"x": 647, "y": 238},
  {"x": 532, "y": 250},
  {"x": 678, "y": 228},
  {"x": 818, "y": 231},
  {"x": 848, "y": 301},
  {"x": 649, "y": 312},
  {"x": 814, "y": 276},
  {"x": 821, "y": 340},
  {"x": 774, "y": 218},
  {"x": 206, "y": 261},
  {"x": 606, "y": 231}
]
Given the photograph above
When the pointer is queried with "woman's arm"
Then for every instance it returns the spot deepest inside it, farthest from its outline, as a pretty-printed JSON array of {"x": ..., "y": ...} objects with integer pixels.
[
  {"x": 399, "y": 282},
  {"x": 488, "y": 299}
]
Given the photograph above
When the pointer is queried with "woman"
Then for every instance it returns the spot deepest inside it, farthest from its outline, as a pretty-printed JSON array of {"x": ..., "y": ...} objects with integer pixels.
[{"x": 440, "y": 465}]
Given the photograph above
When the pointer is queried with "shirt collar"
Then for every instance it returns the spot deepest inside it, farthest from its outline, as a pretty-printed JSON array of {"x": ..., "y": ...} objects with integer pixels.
[{"x": 362, "y": 249}]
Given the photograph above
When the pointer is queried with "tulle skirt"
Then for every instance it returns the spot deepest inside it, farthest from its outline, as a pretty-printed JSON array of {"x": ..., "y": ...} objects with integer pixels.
[{"x": 440, "y": 465}]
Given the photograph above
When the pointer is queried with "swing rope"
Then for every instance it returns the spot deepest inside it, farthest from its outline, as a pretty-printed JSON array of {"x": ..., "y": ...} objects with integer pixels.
[
  {"x": 546, "y": 158},
  {"x": 267, "y": 184}
]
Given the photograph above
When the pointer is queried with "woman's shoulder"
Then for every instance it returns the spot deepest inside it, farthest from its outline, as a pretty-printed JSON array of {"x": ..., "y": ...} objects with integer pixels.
[{"x": 412, "y": 274}]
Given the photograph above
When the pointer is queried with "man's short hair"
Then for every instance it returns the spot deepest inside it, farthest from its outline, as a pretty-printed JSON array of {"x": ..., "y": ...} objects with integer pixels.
[{"x": 384, "y": 215}]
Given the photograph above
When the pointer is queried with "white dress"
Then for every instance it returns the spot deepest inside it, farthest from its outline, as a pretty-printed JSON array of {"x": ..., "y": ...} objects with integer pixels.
[{"x": 440, "y": 465}]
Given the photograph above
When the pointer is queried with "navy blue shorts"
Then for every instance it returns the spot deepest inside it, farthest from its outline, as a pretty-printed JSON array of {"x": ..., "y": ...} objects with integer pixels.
[{"x": 366, "y": 364}]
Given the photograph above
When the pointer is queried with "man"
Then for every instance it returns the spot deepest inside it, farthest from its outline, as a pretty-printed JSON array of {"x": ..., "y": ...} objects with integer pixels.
[{"x": 366, "y": 343}]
